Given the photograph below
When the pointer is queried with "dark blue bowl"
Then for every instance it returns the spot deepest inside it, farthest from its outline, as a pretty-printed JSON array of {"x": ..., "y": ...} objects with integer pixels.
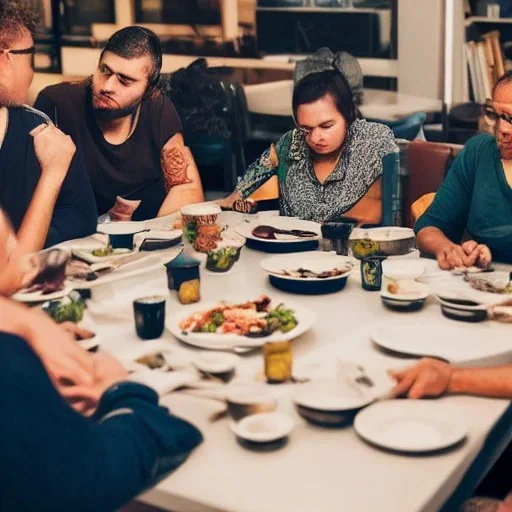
[
  {"x": 403, "y": 305},
  {"x": 307, "y": 287},
  {"x": 282, "y": 247}
]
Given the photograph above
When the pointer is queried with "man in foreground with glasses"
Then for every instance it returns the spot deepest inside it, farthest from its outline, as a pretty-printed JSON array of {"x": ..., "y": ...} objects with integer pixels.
[
  {"x": 44, "y": 188},
  {"x": 476, "y": 196}
]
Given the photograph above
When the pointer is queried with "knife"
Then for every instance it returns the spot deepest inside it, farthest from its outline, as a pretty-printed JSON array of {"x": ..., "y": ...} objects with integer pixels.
[{"x": 103, "y": 268}]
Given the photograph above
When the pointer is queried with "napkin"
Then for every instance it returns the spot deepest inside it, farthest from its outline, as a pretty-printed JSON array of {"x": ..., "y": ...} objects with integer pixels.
[{"x": 164, "y": 382}]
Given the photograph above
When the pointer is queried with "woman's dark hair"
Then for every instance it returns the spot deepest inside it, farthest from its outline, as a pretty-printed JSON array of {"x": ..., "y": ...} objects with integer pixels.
[
  {"x": 315, "y": 86},
  {"x": 133, "y": 42}
]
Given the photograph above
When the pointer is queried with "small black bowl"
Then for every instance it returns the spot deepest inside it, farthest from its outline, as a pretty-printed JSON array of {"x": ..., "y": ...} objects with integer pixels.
[
  {"x": 403, "y": 305},
  {"x": 306, "y": 287},
  {"x": 329, "y": 419},
  {"x": 464, "y": 314},
  {"x": 282, "y": 247}
]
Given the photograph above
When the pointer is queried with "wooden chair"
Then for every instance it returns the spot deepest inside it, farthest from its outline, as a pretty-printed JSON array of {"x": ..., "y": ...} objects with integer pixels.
[{"x": 427, "y": 165}]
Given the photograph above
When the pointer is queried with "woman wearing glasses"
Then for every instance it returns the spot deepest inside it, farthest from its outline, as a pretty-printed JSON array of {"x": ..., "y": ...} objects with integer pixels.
[
  {"x": 331, "y": 164},
  {"x": 475, "y": 201}
]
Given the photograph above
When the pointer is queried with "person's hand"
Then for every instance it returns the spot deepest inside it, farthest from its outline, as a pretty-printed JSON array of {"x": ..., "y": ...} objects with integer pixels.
[
  {"x": 107, "y": 372},
  {"x": 453, "y": 255},
  {"x": 54, "y": 151},
  {"x": 227, "y": 202},
  {"x": 428, "y": 378},
  {"x": 479, "y": 253},
  {"x": 66, "y": 362}
]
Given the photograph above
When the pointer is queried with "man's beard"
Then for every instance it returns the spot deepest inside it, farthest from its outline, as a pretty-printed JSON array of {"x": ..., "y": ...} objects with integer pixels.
[{"x": 109, "y": 114}]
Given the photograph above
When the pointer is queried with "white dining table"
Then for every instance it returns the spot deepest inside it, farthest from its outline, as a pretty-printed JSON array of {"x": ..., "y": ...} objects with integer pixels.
[
  {"x": 318, "y": 469},
  {"x": 275, "y": 98}
]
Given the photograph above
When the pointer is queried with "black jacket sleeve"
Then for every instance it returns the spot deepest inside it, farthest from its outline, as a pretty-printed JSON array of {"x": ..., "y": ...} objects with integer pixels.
[{"x": 57, "y": 460}]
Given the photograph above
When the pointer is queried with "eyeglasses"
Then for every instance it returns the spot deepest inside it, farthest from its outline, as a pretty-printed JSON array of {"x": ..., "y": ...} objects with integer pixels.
[
  {"x": 22, "y": 51},
  {"x": 493, "y": 116}
]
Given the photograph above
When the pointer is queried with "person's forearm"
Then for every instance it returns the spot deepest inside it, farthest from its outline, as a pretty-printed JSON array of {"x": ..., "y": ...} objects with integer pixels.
[
  {"x": 36, "y": 222},
  {"x": 177, "y": 198},
  {"x": 431, "y": 240},
  {"x": 490, "y": 382},
  {"x": 15, "y": 319}
]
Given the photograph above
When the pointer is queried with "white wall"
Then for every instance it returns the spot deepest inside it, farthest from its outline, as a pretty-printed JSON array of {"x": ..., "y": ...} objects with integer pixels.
[{"x": 421, "y": 47}]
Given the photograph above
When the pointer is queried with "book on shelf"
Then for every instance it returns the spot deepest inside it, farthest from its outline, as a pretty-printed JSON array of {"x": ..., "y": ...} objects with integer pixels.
[{"x": 486, "y": 65}]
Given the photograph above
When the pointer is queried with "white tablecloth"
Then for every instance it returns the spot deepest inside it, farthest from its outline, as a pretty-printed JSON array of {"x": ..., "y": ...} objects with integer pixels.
[{"x": 319, "y": 469}]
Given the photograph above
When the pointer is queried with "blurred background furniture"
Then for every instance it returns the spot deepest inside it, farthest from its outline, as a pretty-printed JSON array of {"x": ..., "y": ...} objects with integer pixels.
[{"x": 408, "y": 128}]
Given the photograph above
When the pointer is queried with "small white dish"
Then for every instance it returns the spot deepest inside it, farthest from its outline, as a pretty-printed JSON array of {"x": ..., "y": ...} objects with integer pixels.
[
  {"x": 38, "y": 296},
  {"x": 200, "y": 209},
  {"x": 410, "y": 426},
  {"x": 215, "y": 362},
  {"x": 329, "y": 395},
  {"x": 262, "y": 428},
  {"x": 407, "y": 291},
  {"x": 400, "y": 269},
  {"x": 121, "y": 228}
]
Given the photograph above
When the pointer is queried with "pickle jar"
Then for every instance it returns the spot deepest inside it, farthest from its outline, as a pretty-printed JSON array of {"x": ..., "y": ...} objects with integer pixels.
[{"x": 278, "y": 361}]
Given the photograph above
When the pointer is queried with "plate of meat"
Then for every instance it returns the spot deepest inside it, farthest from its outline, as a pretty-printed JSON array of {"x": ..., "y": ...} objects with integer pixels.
[
  {"x": 281, "y": 234},
  {"x": 224, "y": 325}
]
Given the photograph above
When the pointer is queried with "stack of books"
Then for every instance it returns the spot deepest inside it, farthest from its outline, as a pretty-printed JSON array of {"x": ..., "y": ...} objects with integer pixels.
[{"x": 486, "y": 65}]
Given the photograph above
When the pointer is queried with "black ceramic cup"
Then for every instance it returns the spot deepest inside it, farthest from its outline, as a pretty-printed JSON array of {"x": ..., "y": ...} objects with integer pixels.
[{"x": 149, "y": 315}]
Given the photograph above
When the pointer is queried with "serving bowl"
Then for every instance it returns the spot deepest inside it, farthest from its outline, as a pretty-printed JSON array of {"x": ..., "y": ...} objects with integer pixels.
[
  {"x": 383, "y": 241},
  {"x": 327, "y": 403}
]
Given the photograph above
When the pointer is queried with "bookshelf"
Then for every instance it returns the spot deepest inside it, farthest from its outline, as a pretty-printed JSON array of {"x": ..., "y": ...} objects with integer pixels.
[{"x": 486, "y": 19}]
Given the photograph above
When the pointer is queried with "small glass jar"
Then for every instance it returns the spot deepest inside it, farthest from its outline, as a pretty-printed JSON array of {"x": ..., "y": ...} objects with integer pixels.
[
  {"x": 371, "y": 273},
  {"x": 183, "y": 276},
  {"x": 278, "y": 361}
]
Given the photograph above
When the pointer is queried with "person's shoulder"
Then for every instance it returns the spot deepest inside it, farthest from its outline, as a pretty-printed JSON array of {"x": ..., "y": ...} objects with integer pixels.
[
  {"x": 481, "y": 142},
  {"x": 377, "y": 134},
  {"x": 70, "y": 92},
  {"x": 160, "y": 104},
  {"x": 26, "y": 118}
]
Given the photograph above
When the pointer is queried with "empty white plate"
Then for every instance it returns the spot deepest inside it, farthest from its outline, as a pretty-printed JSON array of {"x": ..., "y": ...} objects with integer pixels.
[
  {"x": 456, "y": 342},
  {"x": 264, "y": 427},
  {"x": 412, "y": 426}
]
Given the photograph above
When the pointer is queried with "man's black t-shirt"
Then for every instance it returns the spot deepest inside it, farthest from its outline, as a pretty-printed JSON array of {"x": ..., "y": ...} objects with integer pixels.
[
  {"x": 74, "y": 214},
  {"x": 132, "y": 169}
]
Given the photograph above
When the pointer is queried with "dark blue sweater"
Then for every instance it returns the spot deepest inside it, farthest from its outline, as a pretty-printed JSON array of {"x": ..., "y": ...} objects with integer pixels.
[
  {"x": 75, "y": 213},
  {"x": 53, "y": 459}
]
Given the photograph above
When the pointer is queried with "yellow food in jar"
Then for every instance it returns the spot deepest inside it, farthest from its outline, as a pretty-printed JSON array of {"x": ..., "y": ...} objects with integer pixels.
[
  {"x": 189, "y": 292},
  {"x": 278, "y": 361}
]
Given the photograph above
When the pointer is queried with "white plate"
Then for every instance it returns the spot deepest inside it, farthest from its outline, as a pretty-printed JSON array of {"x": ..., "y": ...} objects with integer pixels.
[
  {"x": 439, "y": 337},
  {"x": 314, "y": 261},
  {"x": 264, "y": 427},
  {"x": 412, "y": 426},
  {"x": 409, "y": 291},
  {"x": 330, "y": 395},
  {"x": 246, "y": 228},
  {"x": 121, "y": 228},
  {"x": 403, "y": 269},
  {"x": 87, "y": 256},
  {"x": 39, "y": 297},
  {"x": 212, "y": 341},
  {"x": 215, "y": 362}
]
